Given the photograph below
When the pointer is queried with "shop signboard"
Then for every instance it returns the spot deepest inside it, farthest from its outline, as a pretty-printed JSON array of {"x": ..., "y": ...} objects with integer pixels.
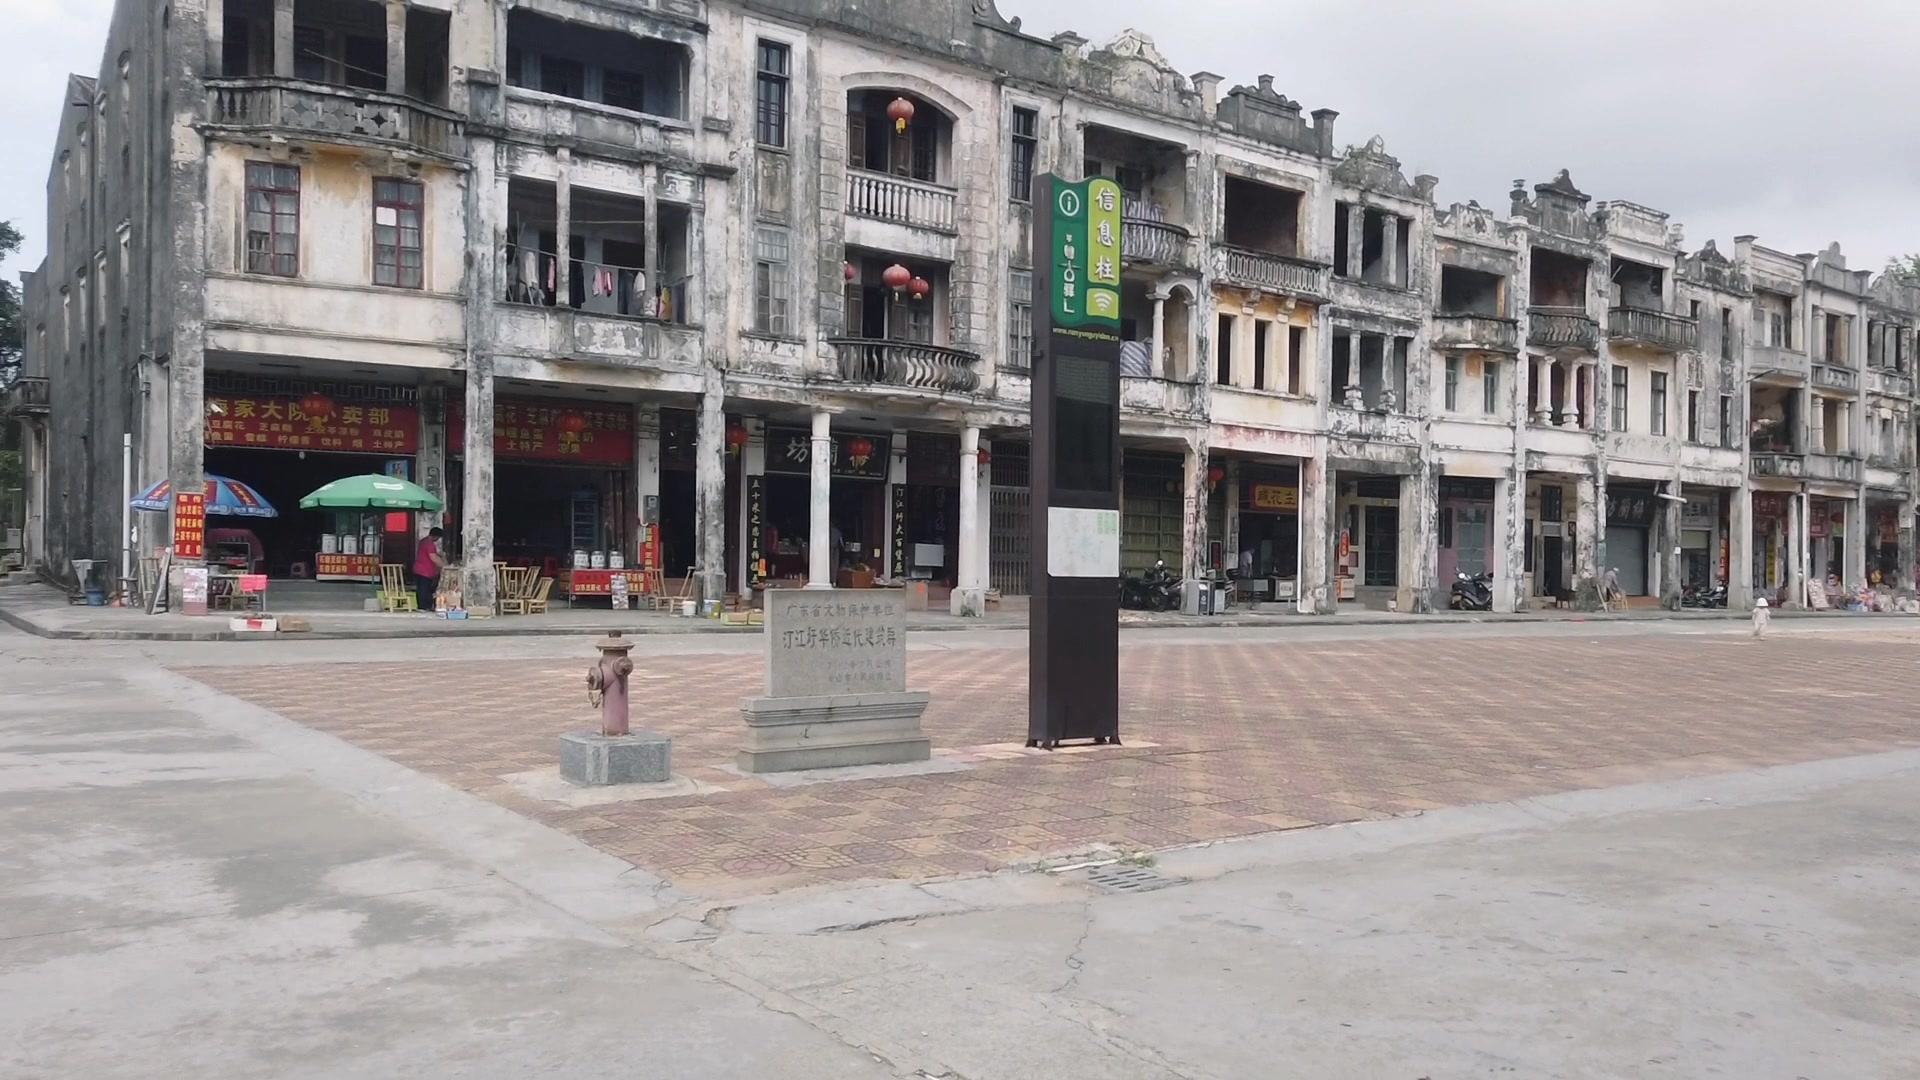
[
  {"x": 897, "y": 555},
  {"x": 1074, "y": 647},
  {"x": 190, "y": 526},
  {"x": 585, "y": 434},
  {"x": 856, "y": 455},
  {"x": 1817, "y": 518},
  {"x": 1769, "y": 504},
  {"x": 1275, "y": 497},
  {"x": 1699, "y": 514},
  {"x": 333, "y": 566},
  {"x": 280, "y": 424},
  {"x": 756, "y": 531},
  {"x": 1629, "y": 507}
]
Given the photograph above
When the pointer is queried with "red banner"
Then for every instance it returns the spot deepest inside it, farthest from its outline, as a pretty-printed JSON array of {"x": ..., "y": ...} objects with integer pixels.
[
  {"x": 279, "y": 424},
  {"x": 600, "y": 582},
  {"x": 190, "y": 526},
  {"x": 542, "y": 431}
]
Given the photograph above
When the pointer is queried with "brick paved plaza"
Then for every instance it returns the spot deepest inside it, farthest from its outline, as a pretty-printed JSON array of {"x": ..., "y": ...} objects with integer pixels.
[{"x": 1224, "y": 739}]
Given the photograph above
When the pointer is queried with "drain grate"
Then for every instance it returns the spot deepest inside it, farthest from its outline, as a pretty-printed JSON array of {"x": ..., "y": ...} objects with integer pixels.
[{"x": 1120, "y": 877}]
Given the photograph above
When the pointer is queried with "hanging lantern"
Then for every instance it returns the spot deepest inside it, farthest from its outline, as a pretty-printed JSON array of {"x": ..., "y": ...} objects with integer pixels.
[
  {"x": 851, "y": 272},
  {"x": 897, "y": 276},
  {"x": 919, "y": 288},
  {"x": 1215, "y": 474},
  {"x": 573, "y": 423},
  {"x": 984, "y": 455},
  {"x": 736, "y": 438},
  {"x": 900, "y": 112},
  {"x": 316, "y": 406},
  {"x": 860, "y": 448}
]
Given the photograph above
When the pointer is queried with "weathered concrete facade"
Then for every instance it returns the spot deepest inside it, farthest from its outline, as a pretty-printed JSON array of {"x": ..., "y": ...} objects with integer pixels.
[{"x": 804, "y": 227}]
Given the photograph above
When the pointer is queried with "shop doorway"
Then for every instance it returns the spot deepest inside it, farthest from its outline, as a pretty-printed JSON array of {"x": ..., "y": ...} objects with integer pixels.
[
  {"x": 292, "y": 540},
  {"x": 1627, "y": 553}
]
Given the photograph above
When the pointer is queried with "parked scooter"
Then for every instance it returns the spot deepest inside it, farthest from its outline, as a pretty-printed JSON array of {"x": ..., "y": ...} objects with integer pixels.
[
  {"x": 1473, "y": 593},
  {"x": 1693, "y": 596},
  {"x": 1156, "y": 590}
]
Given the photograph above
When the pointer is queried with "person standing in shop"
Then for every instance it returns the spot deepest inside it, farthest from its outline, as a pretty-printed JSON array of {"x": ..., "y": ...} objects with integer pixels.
[{"x": 427, "y": 564}]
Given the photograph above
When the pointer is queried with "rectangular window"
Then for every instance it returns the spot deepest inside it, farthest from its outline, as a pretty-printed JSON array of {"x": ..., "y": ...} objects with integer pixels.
[
  {"x": 1020, "y": 319},
  {"x": 624, "y": 90},
  {"x": 1619, "y": 399},
  {"x": 1026, "y": 146},
  {"x": 566, "y": 78},
  {"x": 1260, "y": 327},
  {"x": 1223, "y": 352},
  {"x": 1693, "y": 416},
  {"x": 770, "y": 280},
  {"x": 1726, "y": 421},
  {"x": 397, "y": 206},
  {"x": 1453, "y": 384},
  {"x": 774, "y": 82},
  {"x": 1726, "y": 333},
  {"x": 273, "y": 219},
  {"x": 1657, "y": 404},
  {"x": 1296, "y": 357},
  {"x": 1489, "y": 387}
]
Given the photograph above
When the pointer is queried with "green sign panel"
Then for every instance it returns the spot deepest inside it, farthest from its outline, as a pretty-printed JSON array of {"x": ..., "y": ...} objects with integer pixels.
[{"x": 1086, "y": 259}]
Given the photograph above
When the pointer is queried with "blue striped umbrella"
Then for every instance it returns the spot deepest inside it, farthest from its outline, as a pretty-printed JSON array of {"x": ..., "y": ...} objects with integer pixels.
[{"x": 224, "y": 496}]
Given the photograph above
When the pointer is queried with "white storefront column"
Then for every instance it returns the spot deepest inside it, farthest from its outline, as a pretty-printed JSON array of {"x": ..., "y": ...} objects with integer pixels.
[
  {"x": 430, "y": 464},
  {"x": 820, "y": 556},
  {"x": 1509, "y": 542},
  {"x": 1796, "y": 551},
  {"x": 1739, "y": 581},
  {"x": 646, "y": 477},
  {"x": 1590, "y": 516},
  {"x": 1315, "y": 594},
  {"x": 970, "y": 592},
  {"x": 899, "y": 553},
  {"x": 1193, "y": 532},
  {"x": 753, "y": 472}
]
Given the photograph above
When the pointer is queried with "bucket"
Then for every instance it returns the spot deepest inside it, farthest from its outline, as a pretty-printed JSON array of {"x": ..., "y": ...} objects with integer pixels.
[
  {"x": 96, "y": 596},
  {"x": 686, "y": 608}
]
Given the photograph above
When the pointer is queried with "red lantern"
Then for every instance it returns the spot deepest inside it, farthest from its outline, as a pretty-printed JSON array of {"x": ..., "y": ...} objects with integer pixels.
[
  {"x": 860, "y": 449},
  {"x": 1215, "y": 474},
  {"x": 896, "y": 276},
  {"x": 736, "y": 438},
  {"x": 900, "y": 112},
  {"x": 316, "y": 406},
  {"x": 985, "y": 456},
  {"x": 573, "y": 423},
  {"x": 919, "y": 288},
  {"x": 851, "y": 272}
]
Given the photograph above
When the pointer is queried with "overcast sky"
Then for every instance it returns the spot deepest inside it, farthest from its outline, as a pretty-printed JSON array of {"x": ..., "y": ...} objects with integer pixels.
[{"x": 1797, "y": 122}]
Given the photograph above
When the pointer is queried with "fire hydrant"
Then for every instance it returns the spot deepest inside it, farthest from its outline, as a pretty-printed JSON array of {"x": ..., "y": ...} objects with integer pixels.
[{"x": 607, "y": 682}]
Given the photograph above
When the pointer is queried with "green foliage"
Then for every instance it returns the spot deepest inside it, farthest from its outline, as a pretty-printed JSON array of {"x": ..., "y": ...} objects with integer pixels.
[
  {"x": 1906, "y": 266},
  {"x": 9, "y": 309}
]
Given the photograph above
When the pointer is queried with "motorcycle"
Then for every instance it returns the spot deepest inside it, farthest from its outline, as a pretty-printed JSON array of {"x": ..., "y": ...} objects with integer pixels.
[
  {"x": 1473, "y": 593},
  {"x": 1156, "y": 590},
  {"x": 1693, "y": 596}
]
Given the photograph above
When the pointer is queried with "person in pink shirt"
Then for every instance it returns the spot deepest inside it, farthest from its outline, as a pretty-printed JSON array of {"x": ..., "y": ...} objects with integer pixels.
[{"x": 427, "y": 564}]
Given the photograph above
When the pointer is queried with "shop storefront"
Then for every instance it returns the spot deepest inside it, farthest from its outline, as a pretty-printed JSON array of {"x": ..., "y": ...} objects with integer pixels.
[
  {"x": 1009, "y": 548},
  {"x": 1464, "y": 530},
  {"x": 1826, "y": 539},
  {"x": 1770, "y": 523},
  {"x": 1152, "y": 511},
  {"x": 1703, "y": 544},
  {"x": 857, "y": 507},
  {"x": 1630, "y": 510},
  {"x": 1367, "y": 551},
  {"x": 563, "y": 488},
  {"x": 930, "y": 545},
  {"x": 1268, "y": 559},
  {"x": 285, "y": 441},
  {"x": 1884, "y": 555}
]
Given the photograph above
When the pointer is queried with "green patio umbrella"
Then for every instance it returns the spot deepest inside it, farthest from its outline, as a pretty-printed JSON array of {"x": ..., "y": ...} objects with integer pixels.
[{"x": 371, "y": 492}]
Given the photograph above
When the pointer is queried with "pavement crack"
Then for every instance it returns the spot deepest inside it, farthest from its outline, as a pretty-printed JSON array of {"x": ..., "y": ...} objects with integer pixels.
[{"x": 1074, "y": 961}]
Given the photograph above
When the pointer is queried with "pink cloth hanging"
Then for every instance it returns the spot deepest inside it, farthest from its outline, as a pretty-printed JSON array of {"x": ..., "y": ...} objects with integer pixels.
[{"x": 603, "y": 282}]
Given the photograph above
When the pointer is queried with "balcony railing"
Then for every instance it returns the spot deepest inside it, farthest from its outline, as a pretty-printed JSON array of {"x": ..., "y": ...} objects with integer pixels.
[
  {"x": 1562, "y": 328},
  {"x": 1281, "y": 273},
  {"x": 1157, "y": 243},
  {"x": 334, "y": 113},
  {"x": 1161, "y": 396},
  {"x": 1476, "y": 333},
  {"x": 1779, "y": 463},
  {"x": 1834, "y": 377},
  {"x": 905, "y": 202},
  {"x": 1888, "y": 381},
  {"x": 29, "y": 395},
  {"x": 907, "y": 363},
  {"x": 1839, "y": 468},
  {"x": 1772, "y": 360},
  {"x": 1656, "y": 328}
]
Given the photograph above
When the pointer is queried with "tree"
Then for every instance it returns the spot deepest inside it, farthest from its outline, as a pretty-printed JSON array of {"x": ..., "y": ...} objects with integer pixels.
[
  {"x": 1906, "y": 266},
  {"x": 9, "y": 309}
]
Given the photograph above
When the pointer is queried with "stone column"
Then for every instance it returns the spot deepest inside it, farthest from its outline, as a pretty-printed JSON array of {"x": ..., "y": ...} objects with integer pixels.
[
  {"x": 1590, "y": 519},
  {"x": 282, "y": 39},
  {"x": 396, "y": 46},
  {"x": 970, "y": 595},
  {"x": 476, "y": 497},
  {"x": 646, "y": 473},
  {"x": 1317, "y": 536},
  {"x": 1570, "y": 396},
  {"x": 1904, "y": 584},
  {"x": 1543, "y": 398},
  {"x": 1419, "y": 541},
  {"x": 1670, "y": 545},
  {"x": 1796, "y": 552},
  {"x": 563, "y": 228},
  {"x": 1390, "y": 250},
  {"x": 753, "y": 463},
  {"x": 820, "y": 508},
  {"x": 1354, "y": 395},
  {"x": 1356, "y": 239},
  {"x": 1739, "y": 550},
  {"x": 1509, "y": 541},
  {"x": 430, "y": 464},
  {"x": 1230, "y": 543},
  {"x": 1193, "y": 531},
  {"x": 650, "y": 181},
  {"x": 710, "y": 489},
  {"x": 1160, "y": 366},
  {"x": 896, "y": 478},
  {"x": 1853, "y": 561}
]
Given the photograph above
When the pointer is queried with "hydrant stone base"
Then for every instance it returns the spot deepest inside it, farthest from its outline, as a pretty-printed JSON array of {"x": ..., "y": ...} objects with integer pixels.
[{"x": 590, "y": 759}]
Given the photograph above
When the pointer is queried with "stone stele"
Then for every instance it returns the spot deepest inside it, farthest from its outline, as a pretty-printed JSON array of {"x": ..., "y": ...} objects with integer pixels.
[{"x": 836, "y": 684}]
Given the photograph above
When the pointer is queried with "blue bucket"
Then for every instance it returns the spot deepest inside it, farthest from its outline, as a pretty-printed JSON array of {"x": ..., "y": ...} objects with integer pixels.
[{"x": 96, "y": 597}]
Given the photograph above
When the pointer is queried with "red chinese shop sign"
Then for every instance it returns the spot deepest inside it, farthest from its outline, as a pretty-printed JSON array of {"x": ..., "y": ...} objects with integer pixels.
[
  {"x": 553, "y": 431},
  {"x": 279, "y": 424},
  {"x": 189, "y": 526}
]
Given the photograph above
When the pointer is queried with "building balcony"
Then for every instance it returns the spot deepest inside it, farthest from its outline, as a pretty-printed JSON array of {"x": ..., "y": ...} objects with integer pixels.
[
  {"x": 1833, "y": 468},
  {"x": 1274, "y": 273},
  {"x": 1777, "y": 364},
  {"x": 1656, "y": 329},
  {"x": 1476, "y": 333},
  {"x": 30, "y": 395},
  {"x": 333, "y": 114},
  {"x": 901, "y": 201},
  {"x": 1371, "y": 425},
  {"x": 1155, "y": 243},
  {"x": 1779, "y": 463},
  {"x": 1162, "y": 397},
  {"x": 1889, "y": 382},
  {"x": 1835, "y": 377},
  {"x": 1557, "y": 328},
  {"x": 554, "y": 116},
  {"x": 910, "y": 364}
]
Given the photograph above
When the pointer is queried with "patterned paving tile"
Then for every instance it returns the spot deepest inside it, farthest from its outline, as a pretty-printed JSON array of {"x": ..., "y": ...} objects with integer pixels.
[{"x": 1222, "y": 739}]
